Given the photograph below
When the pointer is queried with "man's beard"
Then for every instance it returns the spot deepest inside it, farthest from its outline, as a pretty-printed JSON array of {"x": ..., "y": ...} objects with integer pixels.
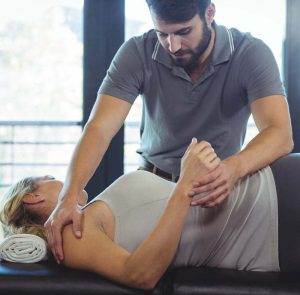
[{"x": 192, "y": 62}]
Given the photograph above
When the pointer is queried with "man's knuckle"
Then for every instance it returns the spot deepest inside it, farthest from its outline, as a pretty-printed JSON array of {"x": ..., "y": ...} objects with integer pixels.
[
  {"x": 224, "y": 196},
  {"x": 215, "y": 197},
  {"x": 212, "y": 177},
  {"x": 199, "y": 190},
  {"x": 219, "y": 201},
  {"x": 209, "y": 187}
]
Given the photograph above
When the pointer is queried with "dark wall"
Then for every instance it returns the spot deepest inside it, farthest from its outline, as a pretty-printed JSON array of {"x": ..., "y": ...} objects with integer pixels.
[
  {"x": 292, "y": 66},
  {"x": 103, "y": 35}
]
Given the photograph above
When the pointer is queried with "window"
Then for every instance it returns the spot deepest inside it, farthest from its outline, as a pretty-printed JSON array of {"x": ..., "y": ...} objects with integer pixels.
[
  {"x": 264, "y": 23},
  {"x": 41, "y": 86},
  {"x": 253, "y": 16},
  {"x": 135, "y": 24}
]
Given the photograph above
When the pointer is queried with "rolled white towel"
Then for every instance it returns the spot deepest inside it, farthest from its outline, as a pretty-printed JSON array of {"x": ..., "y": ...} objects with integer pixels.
[{"x": 24, "y": 248}]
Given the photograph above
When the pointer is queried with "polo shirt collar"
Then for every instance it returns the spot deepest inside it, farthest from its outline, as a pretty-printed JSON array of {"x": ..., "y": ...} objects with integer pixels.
[
  {"x": 223, "y": 47},
  {"x": 162, "y": 56},
  {"x": 222, "y": 51}
]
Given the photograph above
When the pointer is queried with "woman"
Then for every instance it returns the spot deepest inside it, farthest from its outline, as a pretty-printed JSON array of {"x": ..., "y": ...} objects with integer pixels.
[{"x": 142, "y": 224}]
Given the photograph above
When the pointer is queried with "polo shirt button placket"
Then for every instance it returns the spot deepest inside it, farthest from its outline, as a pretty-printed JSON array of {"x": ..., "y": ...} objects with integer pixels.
[{"x": 194, "y": 94}]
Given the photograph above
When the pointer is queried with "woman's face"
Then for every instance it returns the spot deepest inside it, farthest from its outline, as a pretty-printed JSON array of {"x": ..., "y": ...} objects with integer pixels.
[
  {"x": 48, "y": 186},
  {"x": 44, "y": 198},
  {"x": 49, "y": 189}
]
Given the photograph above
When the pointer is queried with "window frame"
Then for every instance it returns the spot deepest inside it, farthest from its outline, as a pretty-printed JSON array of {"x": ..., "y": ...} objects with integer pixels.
[
  {"x": 104, "y": 31},
  {"x": 292, "y": 67}
]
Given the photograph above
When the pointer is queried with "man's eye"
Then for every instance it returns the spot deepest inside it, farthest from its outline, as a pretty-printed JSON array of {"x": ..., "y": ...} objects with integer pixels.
[
  {"x": 184, "y": 32},
  {"x": 162, "y": 35}
]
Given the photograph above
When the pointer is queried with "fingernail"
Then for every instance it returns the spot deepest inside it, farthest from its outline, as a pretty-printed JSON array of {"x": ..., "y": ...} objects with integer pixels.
[{"x": 78, "y": 234}]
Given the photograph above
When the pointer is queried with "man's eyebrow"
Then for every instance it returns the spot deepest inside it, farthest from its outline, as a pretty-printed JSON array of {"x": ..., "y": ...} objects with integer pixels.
[
  {"x": 158, "y": 31},
  {"x": 176, "y": 32}
]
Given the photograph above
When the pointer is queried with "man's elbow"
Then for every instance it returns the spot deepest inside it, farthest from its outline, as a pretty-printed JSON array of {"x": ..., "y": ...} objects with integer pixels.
[
  {"x": 287, "y": 145},
  {"x": 291, "y": 145}
]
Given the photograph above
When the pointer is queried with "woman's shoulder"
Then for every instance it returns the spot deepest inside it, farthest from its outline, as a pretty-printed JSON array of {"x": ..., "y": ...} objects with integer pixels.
[{"x": 133, "y": 190}]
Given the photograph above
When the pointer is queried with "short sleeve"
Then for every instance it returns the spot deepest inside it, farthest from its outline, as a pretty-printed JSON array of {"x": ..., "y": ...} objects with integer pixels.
[
  {"x": 125, "y": 74},
  {"x": 259, "y": 72}
]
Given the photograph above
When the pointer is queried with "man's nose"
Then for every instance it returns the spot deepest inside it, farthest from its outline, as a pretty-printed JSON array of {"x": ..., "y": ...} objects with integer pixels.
[{"x": 174, "y": 43}]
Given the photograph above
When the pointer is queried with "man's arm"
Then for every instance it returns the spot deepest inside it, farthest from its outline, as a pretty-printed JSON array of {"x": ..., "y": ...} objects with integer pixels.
[
  {"x": 274, "y": 140},
  {"x": 105, "y": 120}
]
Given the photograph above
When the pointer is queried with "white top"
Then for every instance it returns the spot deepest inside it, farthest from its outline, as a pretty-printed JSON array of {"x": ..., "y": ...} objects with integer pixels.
[{"x": 241, "y": 233}]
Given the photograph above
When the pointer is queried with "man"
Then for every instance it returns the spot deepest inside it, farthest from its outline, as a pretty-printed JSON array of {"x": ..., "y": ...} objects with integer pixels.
[{"x": 197, "y": 79}]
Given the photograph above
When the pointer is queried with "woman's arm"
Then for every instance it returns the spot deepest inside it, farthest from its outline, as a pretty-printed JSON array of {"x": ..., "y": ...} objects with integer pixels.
[{"x": 143, "y": 267}]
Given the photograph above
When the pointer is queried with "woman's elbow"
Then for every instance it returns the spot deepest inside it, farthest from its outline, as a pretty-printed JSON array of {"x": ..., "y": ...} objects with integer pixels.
[
  {"x": 146, "y": 286},
  {"x": 142, "y": 281}
]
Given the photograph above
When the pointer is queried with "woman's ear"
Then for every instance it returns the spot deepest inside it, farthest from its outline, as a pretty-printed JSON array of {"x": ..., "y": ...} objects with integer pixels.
[{"x": 33, "y": 199}]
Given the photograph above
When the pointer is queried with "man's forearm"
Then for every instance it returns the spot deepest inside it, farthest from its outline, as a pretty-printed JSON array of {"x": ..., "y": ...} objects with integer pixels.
[
  {"x": 85, "y": 160},
  {"x": 269, "y": 145}
]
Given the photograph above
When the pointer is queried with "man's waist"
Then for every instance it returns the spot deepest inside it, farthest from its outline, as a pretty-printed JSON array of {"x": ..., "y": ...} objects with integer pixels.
[{"x": 148, "y": 166}]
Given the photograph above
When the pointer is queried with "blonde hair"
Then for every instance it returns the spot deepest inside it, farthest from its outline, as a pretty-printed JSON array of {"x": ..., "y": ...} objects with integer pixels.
[{"x": 14, "y": 216}]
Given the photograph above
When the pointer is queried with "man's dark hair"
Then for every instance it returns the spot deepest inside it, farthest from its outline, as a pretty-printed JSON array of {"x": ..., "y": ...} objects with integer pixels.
[{"x": 177, "y": 11}]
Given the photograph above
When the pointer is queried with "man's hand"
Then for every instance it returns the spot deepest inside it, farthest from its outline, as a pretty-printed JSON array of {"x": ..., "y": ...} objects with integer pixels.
[
  {"x": 216, "y": 185},
  {"x": 67, "y": 211}
]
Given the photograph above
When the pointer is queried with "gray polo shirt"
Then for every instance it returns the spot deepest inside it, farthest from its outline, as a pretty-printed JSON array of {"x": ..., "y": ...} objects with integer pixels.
[{"x": 215, "y": 108}]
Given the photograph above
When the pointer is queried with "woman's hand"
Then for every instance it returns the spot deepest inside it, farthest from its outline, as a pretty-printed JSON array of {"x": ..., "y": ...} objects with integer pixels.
[{"x": 198, "y": 160}]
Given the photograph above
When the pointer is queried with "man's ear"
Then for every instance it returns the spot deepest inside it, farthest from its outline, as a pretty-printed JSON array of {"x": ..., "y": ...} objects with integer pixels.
[
  {"x": 33, "y": 199},
  {"x": 210, "y": 13}
]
